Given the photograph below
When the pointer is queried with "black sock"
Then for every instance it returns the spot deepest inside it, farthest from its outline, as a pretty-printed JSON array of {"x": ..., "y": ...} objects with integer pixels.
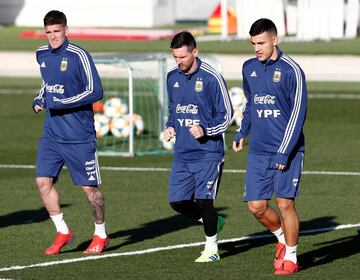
[{"x": 209, "y": 215}]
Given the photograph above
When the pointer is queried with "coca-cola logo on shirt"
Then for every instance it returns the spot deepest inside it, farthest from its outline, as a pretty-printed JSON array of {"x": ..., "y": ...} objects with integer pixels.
[
  {"x": 264, "y": 99},
  {"x": 57, "y": 88},
  {"x": 187, "y": 109}
]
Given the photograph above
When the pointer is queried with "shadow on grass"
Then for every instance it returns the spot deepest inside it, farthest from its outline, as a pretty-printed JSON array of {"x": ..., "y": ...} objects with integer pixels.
[
  {"x": 147, "y": 231},
  {"x": 23, "y": 217},
  {"x": 330, "y": 251},
  {"x": 326, "y": 253},
  {"x": 263, "y": 238}
]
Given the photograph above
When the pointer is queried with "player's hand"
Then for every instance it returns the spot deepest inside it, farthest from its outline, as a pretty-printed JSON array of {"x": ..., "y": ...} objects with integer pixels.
[
  {"x": 38, "y": 105},
  {"x": 238, "y": 146},
  {"x": 196, "y": 131},
  {"x": 280, "y": 167},
  {"x": 38, "y": 108},
  {"x": 169, "y": 133}
]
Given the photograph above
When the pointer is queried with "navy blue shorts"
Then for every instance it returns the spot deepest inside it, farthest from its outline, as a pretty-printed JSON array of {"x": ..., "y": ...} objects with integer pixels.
[
  {"x": 263, "y": 179},
  {"x": 194, "y": 180},
  {"x": 80, "y": 159}
]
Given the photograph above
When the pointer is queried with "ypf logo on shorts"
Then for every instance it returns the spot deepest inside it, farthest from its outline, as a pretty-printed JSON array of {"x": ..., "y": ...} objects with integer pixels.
[
  {"x": 295, "y": 181},
  {"x": 90, "y": 169}
]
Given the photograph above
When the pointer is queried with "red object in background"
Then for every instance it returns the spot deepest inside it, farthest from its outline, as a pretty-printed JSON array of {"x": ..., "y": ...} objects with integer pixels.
[
  {"x": 214, "y": 22},
  {"x": 106, "y": 34},
  {"x": 98, "y": 107}
]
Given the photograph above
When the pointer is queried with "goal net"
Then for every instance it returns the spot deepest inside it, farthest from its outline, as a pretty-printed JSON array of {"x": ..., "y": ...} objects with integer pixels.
[{"x": 131, "y": 117}]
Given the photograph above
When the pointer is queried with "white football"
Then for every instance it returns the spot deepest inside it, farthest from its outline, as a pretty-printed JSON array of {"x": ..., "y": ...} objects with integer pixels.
[
  {"x": 237, "y": 116},
  {"x": 167, "y": 145},
  {"x": 237, "y": 96},
  {"x": 102, "y": 125},
  {"x": 138, "y": 123},
  {"x": 120, "y": 127},
  {"x": 115, "y": 107}
]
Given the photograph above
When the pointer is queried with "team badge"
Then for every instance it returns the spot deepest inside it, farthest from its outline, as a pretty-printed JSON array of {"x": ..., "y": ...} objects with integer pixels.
[
  {"x": 199, "y": 86},
  {"x": 277, "y": 75},
  {"x": 63, "y": 64}
]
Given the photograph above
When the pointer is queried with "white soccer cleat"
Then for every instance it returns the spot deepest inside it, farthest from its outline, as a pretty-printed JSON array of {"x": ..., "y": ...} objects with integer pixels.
[{"x": 208, "y": 256}]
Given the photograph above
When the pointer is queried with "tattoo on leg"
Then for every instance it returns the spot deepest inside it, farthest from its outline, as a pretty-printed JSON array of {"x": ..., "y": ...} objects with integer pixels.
[{"x": 96, "y": 201}]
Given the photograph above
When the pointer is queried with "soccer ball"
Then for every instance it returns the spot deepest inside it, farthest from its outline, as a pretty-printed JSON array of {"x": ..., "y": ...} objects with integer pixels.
[
  {"x": 237, "y": 116},
  {"x": 138, "y": 123},
  {"x": 102, "y": 125},
  {"x": 115, "y": 107},
  {"x": 167, "y": 145},
  {"x": 237, "y": 96},
  {"x": 120, "y": 127}
]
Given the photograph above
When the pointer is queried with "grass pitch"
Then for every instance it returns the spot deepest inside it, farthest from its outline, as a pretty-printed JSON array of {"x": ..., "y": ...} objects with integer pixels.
[{"x": 142, "y": 226}]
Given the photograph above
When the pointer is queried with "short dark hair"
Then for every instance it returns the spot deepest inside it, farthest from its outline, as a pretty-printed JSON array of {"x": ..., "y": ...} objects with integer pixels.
[
  {"x": 183, "y": 38},
  {"x": 55, "y": 17},
  {"x": 262, "y": 25}
]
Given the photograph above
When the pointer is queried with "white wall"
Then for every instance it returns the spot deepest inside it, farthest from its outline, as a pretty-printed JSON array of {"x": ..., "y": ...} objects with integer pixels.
[
  {"x": 195, "y": 9},
  {"x": 249, "y": 11},
  {"x": 320, "y": 19},
  {"x": 164, "y": 12},
  {"x": 104, "y": 13}
]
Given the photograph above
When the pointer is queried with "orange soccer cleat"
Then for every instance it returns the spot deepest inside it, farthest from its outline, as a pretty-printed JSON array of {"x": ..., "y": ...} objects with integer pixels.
[
  {"x": 279, "y": 255},
  {"x": 60, "y": 241},
  {"x": 97, "y": 245},
  {"x": 287, "y": 267}
]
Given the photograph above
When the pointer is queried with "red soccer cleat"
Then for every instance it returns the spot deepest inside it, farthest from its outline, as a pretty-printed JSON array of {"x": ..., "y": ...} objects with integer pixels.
[
  {"x": 279, "y": 255},
  {"x": 287, "y": 267},
  {"x": 97, "y": 245},
  {"x": 60, "y": 241}
]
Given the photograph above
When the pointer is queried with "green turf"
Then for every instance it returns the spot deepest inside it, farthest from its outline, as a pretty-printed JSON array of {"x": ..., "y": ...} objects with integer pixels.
[
  {"x": 139, "y": 218},
  {"x": 11, "y": 41}
]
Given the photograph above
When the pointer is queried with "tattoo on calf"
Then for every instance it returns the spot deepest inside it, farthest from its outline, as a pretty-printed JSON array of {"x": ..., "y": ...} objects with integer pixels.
[{"x": 97, "y": 205}]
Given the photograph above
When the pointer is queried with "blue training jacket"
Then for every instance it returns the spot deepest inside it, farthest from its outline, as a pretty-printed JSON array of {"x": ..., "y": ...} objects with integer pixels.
[
  {"x": 198, "y": 98},
  {"x": 275, "y": 110},
  {"x": 71, "y": 84}
]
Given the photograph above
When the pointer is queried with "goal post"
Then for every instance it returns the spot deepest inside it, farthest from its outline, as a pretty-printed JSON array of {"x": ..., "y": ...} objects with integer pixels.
[{"x": 132, "y": 115}]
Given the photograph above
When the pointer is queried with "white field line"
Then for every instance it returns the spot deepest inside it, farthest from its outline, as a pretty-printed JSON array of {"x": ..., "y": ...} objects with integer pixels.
[
  {"x": 167, "y": 248},
  {"x": 333, "y": 96},
  {"x": 159, "y": 169}
]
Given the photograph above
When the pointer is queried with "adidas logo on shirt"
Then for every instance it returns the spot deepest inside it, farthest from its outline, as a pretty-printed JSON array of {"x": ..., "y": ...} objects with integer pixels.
[
  {"x": 253, "y": 74},
  {"x": 91, "y": 178},
  {"x": 43, "y": 64},
  {"x": 176, "y": 84}
]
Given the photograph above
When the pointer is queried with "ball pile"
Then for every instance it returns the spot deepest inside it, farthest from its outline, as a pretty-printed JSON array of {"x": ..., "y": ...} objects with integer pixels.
[{"x": 112, "y": 116}]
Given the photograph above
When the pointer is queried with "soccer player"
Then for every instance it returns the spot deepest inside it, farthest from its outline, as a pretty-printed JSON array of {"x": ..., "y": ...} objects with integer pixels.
[
  {"x": 274, "y": 116},
  {"x": 199, "y": 113},
  {"x": 70, "y": 85}
]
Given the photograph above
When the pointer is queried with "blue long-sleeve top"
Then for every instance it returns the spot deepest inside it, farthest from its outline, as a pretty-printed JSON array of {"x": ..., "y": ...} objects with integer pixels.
[
  {"x": 275, "y": 111},
  {"x": 198, "y": 98},
  {"x": 71, "y": 84}
]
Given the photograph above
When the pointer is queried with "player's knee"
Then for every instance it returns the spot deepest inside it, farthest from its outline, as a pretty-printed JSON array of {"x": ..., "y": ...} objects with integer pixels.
[
  {"x": 205, "y": 204},
  {"x": 93, "y": 194},
  {"x": 285, "y": 205},
  {"x": 178, "y": 206},
  {"x": 44, "y": 184},
  {"x": 257, "y": 209}
]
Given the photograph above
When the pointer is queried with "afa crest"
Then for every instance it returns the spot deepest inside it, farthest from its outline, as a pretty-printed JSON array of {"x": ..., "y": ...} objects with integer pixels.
[
  {"x": 63, "y": 64},
  {"x": 199, "y": 86},
  {"x": 277, "y": 75}
]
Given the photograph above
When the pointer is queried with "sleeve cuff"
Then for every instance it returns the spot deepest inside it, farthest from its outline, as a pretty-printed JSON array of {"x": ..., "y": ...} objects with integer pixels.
[
  {"x": 281, "y": 159},
  {"x": 238, "y": 136}
]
